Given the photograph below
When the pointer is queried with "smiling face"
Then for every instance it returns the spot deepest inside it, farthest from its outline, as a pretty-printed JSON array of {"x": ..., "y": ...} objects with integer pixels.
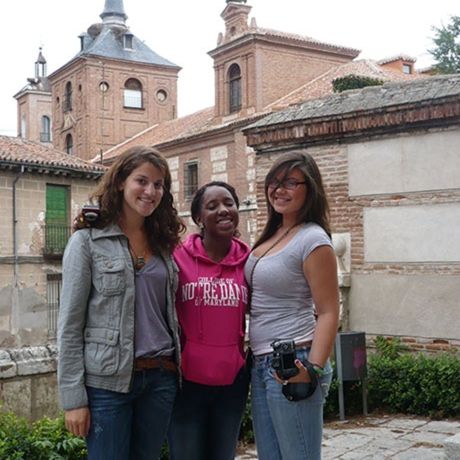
[
  {"x": 142, "y": 191},
  {"x": 287, "y": 193},
  {"x": 219, "y": 212}
]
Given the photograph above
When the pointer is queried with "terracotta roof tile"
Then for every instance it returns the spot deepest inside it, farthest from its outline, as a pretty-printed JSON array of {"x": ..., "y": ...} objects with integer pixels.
[
  {"x": 310, "y": 40},
  {"x": 17, "y": 151},
  {"x": 397, "y": 57},
  {"x": 164, "y": 132}
]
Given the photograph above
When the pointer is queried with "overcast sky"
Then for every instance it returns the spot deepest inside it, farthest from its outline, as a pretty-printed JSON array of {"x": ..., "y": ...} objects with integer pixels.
[{"x": 184, "y": 31}]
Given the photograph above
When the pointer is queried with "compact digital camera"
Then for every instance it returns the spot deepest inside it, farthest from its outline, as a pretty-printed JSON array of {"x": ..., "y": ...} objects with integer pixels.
[
  {"x": 283, "y": 358},
  {"x": 90, "y": 213}
]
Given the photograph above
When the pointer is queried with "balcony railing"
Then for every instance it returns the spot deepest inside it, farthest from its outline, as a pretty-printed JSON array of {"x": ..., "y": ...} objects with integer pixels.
[{"x": 56, "y": 236}]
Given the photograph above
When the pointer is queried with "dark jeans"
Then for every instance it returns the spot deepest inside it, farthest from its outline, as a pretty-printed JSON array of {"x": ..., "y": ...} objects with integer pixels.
[
  {"x": 131, "y": 425},
  {"x": 206, "y": 420}
]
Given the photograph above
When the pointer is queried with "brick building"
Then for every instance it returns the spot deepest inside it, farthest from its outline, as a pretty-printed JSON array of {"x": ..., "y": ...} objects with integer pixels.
[
  {"x": 391, "y": 166},
  {"x": 257, "y": 71},
  {"x": 115, "y": 87}
]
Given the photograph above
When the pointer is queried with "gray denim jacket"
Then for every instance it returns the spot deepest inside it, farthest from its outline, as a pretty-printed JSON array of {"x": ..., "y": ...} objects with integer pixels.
[{"x": 97, "y": 317}]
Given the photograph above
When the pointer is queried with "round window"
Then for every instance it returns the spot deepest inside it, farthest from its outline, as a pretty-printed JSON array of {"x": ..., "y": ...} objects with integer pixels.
[
  {"x": 103, "y": 86},
  {"x": 161, "y": 95}
]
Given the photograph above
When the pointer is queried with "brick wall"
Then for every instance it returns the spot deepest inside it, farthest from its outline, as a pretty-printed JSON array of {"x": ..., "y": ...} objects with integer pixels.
[
  {"x": 269, "y": 71},
  {"x": 98, "y": 120}
]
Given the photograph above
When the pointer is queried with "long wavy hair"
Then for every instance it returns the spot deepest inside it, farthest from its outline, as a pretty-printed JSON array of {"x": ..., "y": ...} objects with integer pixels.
[
  {"x": 163, "y": 226},
  {"x": 316, "y": 208}
]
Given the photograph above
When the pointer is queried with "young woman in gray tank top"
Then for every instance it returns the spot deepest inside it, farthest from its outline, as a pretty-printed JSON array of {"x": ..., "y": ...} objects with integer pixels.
[{"x": 294, "y": 297}]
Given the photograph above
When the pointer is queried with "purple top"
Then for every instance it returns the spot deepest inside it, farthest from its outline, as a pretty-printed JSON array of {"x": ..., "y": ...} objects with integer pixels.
[{"x": 153, "y": 335}]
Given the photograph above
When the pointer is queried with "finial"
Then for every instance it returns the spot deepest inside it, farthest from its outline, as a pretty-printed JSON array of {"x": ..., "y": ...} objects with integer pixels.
[{"x": 114, "y": 12}]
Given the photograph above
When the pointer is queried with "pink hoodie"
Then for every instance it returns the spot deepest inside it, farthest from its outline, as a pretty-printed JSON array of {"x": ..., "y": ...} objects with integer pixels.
[{"x": 211, "y": 302}]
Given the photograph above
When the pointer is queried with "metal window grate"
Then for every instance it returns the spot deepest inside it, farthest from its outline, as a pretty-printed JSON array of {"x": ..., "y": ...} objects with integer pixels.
[
  {"x": 191, "y": 179},
  {"x": 53, "y": 296}
]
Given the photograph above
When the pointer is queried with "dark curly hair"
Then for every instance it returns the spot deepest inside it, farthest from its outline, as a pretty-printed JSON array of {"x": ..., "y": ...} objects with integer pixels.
[
  {"x": 163, "y": 226},
  {"x": 316, "y": 207}
]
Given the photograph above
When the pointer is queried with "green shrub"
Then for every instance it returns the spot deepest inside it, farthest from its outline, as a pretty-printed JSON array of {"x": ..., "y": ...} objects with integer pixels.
[
  {"x": 44, "y": 439},
  {"x": 415, "y": 384},
  {"x": 354, "y": 82}
]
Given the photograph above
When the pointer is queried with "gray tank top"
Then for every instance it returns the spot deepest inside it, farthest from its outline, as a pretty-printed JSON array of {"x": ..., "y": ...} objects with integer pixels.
[
  {"x": 281, "y": 301},
  {"x": 153, "y": 335}
]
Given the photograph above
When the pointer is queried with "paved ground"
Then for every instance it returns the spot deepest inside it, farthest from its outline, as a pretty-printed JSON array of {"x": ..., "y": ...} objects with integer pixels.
[{"x": 382, "y": 438}]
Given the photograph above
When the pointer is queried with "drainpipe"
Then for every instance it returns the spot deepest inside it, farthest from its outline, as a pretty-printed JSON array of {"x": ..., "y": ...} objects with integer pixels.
[{"x": 15, "y": 221}]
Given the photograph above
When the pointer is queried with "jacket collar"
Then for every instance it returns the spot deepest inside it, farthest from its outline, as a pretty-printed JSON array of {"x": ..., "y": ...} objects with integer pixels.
[{"x": 110, "y": 230}]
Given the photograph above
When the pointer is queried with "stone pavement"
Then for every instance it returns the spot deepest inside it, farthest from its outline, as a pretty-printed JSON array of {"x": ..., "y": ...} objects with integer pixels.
[{"x": 385, "y": 437}]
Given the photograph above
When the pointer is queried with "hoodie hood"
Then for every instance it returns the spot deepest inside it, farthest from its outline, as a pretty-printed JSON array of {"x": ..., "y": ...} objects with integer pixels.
[{"x": 237, "y": 255}]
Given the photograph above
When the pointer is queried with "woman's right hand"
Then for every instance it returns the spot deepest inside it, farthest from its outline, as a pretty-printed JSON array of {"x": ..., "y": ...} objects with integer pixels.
[{"x": 78, "y": 421}]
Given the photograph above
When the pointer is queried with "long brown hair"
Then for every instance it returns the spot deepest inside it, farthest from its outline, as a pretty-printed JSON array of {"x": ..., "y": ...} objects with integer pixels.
[
  {"x": 316, "y": 208},
  {"x": 163, "y": 226}
]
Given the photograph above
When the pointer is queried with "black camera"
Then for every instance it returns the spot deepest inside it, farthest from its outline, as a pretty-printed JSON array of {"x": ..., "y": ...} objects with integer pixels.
[
  {"x": 283, "y": 358},
  {"x": 90, "y": 213}
]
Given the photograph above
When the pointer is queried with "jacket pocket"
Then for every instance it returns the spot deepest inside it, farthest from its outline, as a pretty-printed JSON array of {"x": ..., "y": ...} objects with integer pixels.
[
  {"x": 110, "y": 276},
  {"x": 102, "y": 353}
]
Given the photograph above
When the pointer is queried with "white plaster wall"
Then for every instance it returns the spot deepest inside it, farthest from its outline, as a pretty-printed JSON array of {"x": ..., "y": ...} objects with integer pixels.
[
  {"x": 423, "y": 233},
  {"x": 422, "y": 305},
  {"x": 405, "y": 164}
]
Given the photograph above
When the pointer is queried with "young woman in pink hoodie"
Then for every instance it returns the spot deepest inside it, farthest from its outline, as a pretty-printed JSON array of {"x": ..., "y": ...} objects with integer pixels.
[{"x": 211, "y": 303}]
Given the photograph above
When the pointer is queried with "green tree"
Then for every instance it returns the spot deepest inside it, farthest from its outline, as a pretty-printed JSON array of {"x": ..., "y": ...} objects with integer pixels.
[{"x": 447, "y": 47}]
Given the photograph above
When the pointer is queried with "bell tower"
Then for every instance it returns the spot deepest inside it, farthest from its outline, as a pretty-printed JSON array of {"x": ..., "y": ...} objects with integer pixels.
[
  {"x": 34, "y": 105},
  {"x": 114, "y": 88}
]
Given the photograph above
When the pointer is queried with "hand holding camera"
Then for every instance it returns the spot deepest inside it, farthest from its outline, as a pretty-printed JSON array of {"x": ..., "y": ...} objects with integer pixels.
[
  {"x": 283, "y": 359},
  {"x": 284, "y": 363}
]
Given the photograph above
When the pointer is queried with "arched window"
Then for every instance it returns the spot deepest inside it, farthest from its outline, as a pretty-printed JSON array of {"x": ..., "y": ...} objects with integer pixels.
[
  {"x": 133, "y": 94},
  {"x": 68, "y": 97},
  {"x": 234, "y": 88},
  {"x": 45, "y": 133},
  {"x": 69, "y": 144}
]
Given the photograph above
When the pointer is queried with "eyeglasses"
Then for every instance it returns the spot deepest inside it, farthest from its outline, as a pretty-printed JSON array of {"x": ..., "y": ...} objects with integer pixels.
[{"x": 288, "y": 184}]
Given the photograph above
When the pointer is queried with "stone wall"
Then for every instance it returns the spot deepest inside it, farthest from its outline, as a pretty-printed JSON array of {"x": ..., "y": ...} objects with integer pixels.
[
  {"x": 24, "y": 314},
  {"x": 28, "y": 381}
]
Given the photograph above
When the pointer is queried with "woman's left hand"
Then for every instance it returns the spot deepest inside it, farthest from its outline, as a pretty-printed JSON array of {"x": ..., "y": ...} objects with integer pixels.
[{"x": 302, "y": 377}]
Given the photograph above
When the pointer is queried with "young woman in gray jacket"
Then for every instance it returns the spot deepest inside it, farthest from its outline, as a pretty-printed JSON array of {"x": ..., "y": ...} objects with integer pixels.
[{"x": 119, "y": 351}]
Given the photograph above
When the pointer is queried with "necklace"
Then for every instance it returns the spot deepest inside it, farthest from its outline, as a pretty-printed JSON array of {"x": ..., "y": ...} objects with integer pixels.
[{"x": 138, "y": 261}]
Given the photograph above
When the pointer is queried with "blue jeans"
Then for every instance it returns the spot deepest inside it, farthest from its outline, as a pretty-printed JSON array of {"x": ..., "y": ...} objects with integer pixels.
[
  {"x": 206, "y": 420},
  {"x": 286, "y": 429},
  {"x": 131, "y": 425}
]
